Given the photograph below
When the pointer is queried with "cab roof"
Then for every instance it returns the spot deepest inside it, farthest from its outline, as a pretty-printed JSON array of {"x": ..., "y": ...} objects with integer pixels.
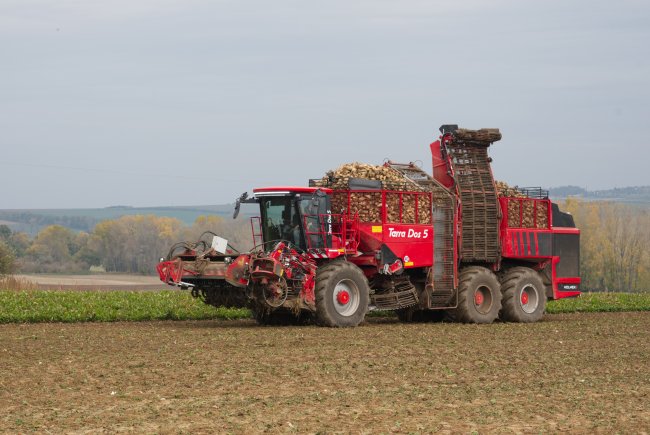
[{"x": 290, "y": 189}]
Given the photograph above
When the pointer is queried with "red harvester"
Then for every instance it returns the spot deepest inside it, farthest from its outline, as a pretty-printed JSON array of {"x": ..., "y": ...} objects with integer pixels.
[{"x": 428, "y": 246}]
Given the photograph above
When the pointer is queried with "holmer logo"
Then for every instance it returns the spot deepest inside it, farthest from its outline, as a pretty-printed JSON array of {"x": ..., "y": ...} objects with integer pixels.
[
  {"x": 410, "y": 234},
  {"x": 569, "y": 287}
]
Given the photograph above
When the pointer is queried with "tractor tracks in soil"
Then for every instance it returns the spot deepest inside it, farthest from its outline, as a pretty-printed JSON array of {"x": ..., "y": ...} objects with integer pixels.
[{"x": 569, "y": 372}]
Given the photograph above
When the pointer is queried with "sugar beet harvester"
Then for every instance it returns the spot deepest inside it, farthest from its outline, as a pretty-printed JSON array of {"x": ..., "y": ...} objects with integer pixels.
[{"x": 423, "y": 246}]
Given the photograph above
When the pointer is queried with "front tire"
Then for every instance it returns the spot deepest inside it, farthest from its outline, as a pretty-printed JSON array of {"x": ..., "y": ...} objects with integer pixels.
[
  {"x": 342, "y": 295},
  {"x": 524, "y": 295},
  {"x": 479, "y": 296}
]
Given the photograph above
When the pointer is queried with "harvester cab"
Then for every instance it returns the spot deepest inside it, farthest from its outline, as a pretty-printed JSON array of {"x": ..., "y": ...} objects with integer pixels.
[
  {"x": 291, "y": 216},
  {"x": 302, "y": 218}
]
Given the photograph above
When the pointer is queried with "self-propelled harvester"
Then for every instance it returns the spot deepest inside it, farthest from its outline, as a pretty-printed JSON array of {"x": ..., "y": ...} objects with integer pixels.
[{"x": 394, "y": 238}]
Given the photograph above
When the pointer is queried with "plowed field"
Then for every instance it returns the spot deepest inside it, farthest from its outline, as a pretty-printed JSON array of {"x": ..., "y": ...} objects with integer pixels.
[
  {"x": 571, "y": 372},
  {"x": 108, "y": 281}
]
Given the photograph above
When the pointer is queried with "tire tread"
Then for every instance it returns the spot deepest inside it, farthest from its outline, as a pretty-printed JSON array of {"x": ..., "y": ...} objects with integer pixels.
[
  {"x": 324, "y": 276},
  {"x": 464, "y": 311},
  {"x": 510, "y": 281}
]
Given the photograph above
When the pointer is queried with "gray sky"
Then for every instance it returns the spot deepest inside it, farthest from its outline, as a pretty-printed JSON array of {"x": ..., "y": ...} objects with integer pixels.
[{"x": 193, "y": 102}]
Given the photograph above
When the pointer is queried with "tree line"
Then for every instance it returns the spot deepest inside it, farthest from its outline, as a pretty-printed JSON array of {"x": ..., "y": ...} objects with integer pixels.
[
  {"x": 615, "y": 240},
  {"x": 614, "y": 245},
  {"x": 129, "y": 244}
]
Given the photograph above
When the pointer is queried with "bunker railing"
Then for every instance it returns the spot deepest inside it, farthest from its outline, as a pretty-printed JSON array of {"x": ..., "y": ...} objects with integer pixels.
[
  {"x": 332, "y": 231},
  {"x": 526, "y": 212}
]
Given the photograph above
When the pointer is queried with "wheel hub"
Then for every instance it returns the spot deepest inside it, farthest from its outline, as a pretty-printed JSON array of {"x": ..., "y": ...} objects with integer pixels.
[
  {"x": 530, "y": 299},
  {"x": 483, "y": 299},
  {"x": 346, "y": 297},
  {"x": 343, "y": 297}
]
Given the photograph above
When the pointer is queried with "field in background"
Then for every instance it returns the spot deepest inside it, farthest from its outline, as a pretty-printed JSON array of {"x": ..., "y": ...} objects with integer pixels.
[
  {"x": 579, "y": 373},
  {"x": 105, "y": 281}
]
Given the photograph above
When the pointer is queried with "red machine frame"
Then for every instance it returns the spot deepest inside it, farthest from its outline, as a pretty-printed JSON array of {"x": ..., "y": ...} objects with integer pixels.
[
  {"x": 412, "y": 243},
  {"x": 534, "y": 243}
]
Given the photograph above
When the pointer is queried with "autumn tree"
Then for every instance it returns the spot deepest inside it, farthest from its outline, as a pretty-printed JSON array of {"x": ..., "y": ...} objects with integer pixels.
[
  {"x": 627, "y": 240},
  {"x": 593, "y": 243},
  {"x": 236, "y": 231},
  {"x": 13, "y": 246},
  {"x": 134, "y": 243},
  {"x": 615, "y": 240},
  {"x": 54, "y": 249},
  {"x": 7, "y": 259},
  {"x": 5, "y": 232},
  {"x": 18, "y": 242}
]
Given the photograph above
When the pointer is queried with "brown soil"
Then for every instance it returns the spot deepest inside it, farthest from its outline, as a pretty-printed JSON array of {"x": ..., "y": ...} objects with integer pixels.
[{"x": 576, "y": 373}]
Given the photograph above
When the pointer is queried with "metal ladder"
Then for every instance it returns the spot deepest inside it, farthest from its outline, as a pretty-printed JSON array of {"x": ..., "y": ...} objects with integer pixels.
[{"x": 440, "y": 279}]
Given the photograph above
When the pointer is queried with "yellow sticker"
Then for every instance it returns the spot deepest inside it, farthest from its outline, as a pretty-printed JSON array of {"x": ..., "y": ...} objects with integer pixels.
[
  {"x": 408, "y": 264},
  {"x": 376, "y": 228}
]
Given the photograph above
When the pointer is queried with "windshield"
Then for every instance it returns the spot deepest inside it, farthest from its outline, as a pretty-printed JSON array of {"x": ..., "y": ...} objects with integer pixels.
[{"x": 281, "y": 220}]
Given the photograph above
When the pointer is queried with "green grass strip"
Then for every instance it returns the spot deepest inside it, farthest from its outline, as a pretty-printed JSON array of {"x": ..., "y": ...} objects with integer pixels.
[
  {"x": 34, "y": 306},
  {"x": 601, "y": 302},
  {"x": 107, "y": 306}
]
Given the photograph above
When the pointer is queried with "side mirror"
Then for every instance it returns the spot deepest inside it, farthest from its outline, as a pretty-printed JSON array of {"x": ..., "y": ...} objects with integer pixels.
[{"x": 238, "y": 204}]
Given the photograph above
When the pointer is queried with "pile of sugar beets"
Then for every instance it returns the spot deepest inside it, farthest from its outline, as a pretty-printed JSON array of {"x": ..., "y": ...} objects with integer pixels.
[{"x": 368, "y": 204}]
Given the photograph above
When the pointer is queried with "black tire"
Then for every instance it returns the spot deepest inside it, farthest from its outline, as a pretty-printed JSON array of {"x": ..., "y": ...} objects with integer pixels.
[
  {"x": 524, "y": 295},
  {"x": 333, "y": 282},
  {"x": 413, "y": 315},
  {"x": 479, "y": 296}
]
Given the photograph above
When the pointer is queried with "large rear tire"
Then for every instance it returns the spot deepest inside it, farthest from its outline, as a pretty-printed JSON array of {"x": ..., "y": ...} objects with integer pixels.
[
  {"x": 479, "y": 296},
  {"x": 342, "y": 295},
  {"x": 524, "y": 295}
]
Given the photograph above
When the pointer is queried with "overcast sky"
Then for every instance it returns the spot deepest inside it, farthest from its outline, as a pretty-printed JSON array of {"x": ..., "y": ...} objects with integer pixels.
[{"x": 159, "y": 102}]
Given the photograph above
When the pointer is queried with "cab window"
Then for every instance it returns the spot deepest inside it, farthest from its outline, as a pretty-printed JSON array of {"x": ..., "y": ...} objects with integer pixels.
[{"x": 281, "y": 220}]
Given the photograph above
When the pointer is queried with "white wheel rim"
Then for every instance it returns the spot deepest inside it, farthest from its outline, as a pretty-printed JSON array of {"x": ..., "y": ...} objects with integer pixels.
[
  {"x": 483, "y": 299},
  {"x": 346, "y": 297},
  {"x": 529, "y": 299}
]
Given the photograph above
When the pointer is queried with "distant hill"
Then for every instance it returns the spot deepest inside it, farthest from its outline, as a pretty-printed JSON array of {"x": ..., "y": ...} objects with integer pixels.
[
  {"x": 32, "y": 221},
  {"x": 639, "y": 195}
]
